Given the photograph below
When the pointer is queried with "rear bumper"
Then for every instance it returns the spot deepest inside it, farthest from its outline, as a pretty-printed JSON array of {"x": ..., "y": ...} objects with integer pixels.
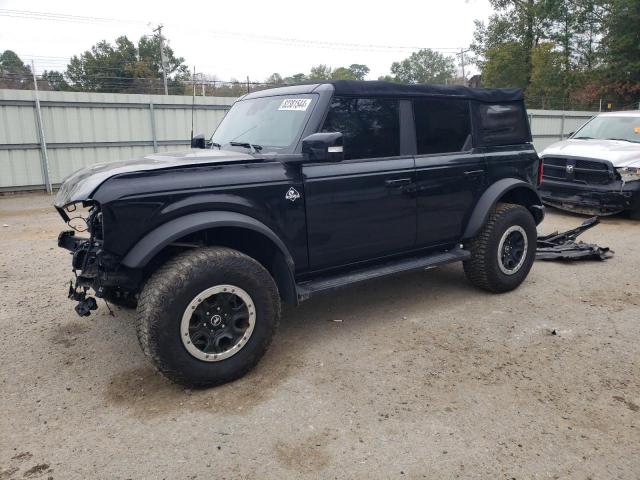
[{"x": 608, "y": 199}]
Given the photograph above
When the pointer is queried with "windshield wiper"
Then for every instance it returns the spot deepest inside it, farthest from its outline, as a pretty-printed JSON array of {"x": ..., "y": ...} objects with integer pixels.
[
  {"x": 215, "y": 144},
  {"x": 252, "y": 146},
  {"x": 583, "y": 138},
  {"x": 623, "y": 140}
]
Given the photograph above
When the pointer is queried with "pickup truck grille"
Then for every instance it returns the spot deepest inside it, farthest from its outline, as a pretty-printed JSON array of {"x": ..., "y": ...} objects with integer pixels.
[{"x": 578, "y": 170}]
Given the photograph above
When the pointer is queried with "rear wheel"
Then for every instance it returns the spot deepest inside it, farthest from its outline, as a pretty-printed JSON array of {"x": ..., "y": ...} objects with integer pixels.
[
  {"x": 503, "y": 252},
  {"x": 207, "y": 316}
]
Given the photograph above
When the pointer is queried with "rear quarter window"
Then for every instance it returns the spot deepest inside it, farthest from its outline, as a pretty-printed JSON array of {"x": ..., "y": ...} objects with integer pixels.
[{"x": 501, "y": 123}]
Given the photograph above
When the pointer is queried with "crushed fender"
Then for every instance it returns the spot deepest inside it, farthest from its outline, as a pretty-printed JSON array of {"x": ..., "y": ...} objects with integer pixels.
[{"x": 563, "y": 246}]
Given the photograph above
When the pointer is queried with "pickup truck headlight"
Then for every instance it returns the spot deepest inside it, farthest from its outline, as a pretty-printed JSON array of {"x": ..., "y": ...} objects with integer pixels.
[{"x": 629, "y": 174}]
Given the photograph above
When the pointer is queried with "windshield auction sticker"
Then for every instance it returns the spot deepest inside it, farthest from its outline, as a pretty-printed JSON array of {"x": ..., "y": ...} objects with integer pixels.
[{"x": 297, "y": 104}]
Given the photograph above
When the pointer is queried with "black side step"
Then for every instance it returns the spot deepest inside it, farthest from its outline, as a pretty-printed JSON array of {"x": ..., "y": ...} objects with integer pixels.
[{"x": 325, "y": 284}]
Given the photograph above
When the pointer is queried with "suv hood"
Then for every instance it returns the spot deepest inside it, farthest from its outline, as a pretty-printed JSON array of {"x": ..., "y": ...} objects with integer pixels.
[
  {"x": 619, "y": 153},
  {"x": 80, "y": 185}
]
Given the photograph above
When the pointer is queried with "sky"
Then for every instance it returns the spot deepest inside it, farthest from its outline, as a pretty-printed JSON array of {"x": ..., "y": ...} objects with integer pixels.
[{"x": 236, "y": 39}]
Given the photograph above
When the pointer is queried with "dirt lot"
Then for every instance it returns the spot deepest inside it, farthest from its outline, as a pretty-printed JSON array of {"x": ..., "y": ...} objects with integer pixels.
[{"x": 418, "y": 376}]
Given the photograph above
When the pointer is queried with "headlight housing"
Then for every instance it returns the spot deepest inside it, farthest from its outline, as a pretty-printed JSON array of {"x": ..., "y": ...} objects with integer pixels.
[
  {"x": 629, "y": 174},
  {"x": 78, "y": 214}
]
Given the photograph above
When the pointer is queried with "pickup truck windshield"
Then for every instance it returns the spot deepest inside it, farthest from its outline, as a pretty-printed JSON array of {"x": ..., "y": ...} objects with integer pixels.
[
  {"x": 268, "y": 122},
  {"x": 626, "y": 128}
]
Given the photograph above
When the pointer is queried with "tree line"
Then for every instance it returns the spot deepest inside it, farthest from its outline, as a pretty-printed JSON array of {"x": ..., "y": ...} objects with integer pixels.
[
  {"x": 562, "y": 52},
  {"x": 124, "y": 67}
]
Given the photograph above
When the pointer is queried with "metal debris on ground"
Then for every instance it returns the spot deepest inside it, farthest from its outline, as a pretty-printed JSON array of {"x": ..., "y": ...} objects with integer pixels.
[{"x": 563, "y": 246}]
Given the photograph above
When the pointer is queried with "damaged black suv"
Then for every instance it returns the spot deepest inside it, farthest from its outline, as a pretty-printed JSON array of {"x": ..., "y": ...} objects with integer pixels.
[{"x": 302, "y": 190}]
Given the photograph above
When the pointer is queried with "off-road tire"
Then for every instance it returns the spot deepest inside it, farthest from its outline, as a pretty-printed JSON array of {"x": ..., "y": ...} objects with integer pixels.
[
  {"x": 483, "y": 269},
  {"x": 124, "y": 299},
  {"x": 172, "y": 287}
]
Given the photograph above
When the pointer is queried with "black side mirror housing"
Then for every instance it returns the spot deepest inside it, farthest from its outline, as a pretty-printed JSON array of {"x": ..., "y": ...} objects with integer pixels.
[
  {"x": 198, "y": 142},
  {"x": 323, "y": 147}
]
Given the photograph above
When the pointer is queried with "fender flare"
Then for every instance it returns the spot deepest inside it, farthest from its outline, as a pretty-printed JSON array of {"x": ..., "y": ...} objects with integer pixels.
[
  {"x": 493, "y": 194},
  {"x": 153, "y": 242}
]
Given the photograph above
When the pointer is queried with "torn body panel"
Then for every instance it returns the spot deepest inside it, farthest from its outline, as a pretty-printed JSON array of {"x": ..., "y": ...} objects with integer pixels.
[{"x": 563, "y": 246}]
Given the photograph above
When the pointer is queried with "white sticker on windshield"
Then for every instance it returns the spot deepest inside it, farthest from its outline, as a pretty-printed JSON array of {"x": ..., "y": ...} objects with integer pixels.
[{"x": 298, "y": 104}]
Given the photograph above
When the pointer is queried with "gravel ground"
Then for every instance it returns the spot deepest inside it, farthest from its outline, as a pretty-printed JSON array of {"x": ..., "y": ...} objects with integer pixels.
[{"x": 417, "y": 376}]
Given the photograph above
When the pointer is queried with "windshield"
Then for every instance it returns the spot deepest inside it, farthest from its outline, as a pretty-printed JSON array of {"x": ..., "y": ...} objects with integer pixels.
[
  {"x": 625, "y": 128},
  {"x": 265, "y": 123}
]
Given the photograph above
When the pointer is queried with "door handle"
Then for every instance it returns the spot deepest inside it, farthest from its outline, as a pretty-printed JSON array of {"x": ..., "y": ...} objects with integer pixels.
[
  {"x": 472, "y": 173},
  {"x": 397, "y": 182}
]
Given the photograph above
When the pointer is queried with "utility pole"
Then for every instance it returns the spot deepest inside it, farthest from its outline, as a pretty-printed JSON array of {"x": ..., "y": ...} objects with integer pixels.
[
  {"x": 193, "y": 98},
  {"x": 164, "y": 70},
  {"x": 43, "y": 142},
  {"x": 462, "y": 52}
]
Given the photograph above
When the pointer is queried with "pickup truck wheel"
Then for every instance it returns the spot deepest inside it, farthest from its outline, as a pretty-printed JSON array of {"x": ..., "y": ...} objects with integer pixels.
[
  {"x": 207, "y": 316},
  {"x": 503, "y": 252}
]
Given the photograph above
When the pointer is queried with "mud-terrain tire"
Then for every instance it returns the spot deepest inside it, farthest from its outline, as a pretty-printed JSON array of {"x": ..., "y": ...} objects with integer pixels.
[
  {"x": 125, "y": 299},
  {"x": 170, "y": 295},
  {"x": 495, "y": 265}
]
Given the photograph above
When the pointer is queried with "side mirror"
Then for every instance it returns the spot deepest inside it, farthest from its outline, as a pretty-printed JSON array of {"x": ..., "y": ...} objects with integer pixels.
[
  {"x": 323, "y": 147},
  {"x": 198, "y": 141},
  {"x": 570, "y": 134}
]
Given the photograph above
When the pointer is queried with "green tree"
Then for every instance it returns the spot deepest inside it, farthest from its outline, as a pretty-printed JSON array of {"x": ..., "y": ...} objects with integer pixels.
[
  {"x": 424, "y": 66},
  {"x": 516, "y": 27},
  {"x": 342, "y": 73},
  {"x": 13, "y": 72},
  {"x": 505, "y": 66},
  {"x": 621, "y": 48},
  {"x": 275, "y": 79},
  {"x": 547, "y": 77},
  {"x": 359, "y": 71},
  {"x": 320, "y": 72},
  {"x": 296, "y": 78},
  {"x": 123, "y": 67},
  {"x": 55, "y": 80}
]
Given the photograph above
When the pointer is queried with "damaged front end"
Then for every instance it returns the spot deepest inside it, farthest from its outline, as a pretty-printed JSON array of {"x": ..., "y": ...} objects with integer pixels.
[
  {"x": 86, "y": 251},
  {"x": 93, "y": 267},
  {"x": 589, "y": 186}
]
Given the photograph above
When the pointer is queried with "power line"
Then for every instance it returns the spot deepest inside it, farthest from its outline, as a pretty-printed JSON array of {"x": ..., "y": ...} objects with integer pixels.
[{"x": 290, "y": 41}]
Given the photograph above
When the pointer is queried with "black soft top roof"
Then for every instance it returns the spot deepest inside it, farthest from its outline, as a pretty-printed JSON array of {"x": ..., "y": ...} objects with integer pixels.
[
  {"x": 378, "y": 88},
  {"x": 390, "y": 89}
]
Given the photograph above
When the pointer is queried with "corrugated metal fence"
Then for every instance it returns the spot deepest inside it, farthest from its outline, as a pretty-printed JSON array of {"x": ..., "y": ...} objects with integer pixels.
[
  {"x": 549, "y": 126},
  {"x": 81, "y": 129}
]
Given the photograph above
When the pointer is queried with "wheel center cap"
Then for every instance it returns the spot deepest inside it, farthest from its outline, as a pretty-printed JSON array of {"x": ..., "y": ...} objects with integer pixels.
[{"x": 216, "y": 320}]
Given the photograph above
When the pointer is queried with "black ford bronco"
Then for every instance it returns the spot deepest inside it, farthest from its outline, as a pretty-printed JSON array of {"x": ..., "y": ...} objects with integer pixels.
[{"x": 302, "y": 190}]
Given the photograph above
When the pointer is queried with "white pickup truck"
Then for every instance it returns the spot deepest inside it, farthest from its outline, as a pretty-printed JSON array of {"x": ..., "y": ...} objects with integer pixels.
[{"x": 597, "y": 169}]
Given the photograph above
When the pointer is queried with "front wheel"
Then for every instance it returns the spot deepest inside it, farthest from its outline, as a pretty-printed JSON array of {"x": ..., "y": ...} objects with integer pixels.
[
  {"x": 207, "y": 316},
  {"x": 503, "y": 252}
]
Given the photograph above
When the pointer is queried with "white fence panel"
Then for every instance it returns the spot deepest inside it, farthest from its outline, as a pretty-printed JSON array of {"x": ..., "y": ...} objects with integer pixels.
[{"x": 550, "y": 126}]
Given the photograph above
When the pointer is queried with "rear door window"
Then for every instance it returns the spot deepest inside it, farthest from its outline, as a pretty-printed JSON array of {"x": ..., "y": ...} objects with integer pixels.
[
  {"x": 370, "y": 126},
  {"x": 442, "y": 125}
]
